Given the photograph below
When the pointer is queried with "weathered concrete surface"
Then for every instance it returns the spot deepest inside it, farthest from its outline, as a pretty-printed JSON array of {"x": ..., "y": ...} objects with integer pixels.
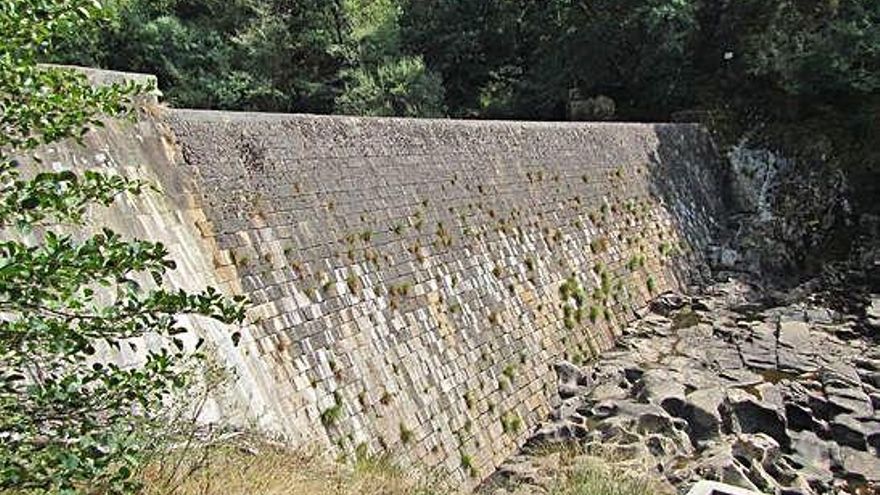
[{"x": 405, "y": 274}]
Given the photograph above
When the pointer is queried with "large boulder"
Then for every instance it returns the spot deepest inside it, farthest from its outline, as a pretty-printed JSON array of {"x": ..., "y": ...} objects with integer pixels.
[
  {"x": 668, "y": 302},
  {"x": 849, "y": 431},
  {"x": 570, "y": 374},
  {"x": 703, "y": 412},
  {"x": 857, "y": 463},
  {"x": 814, "y": 458},
  {"x": 663, "y": 388},
  {"x": 718, "y": 463},
  {"x": 749, "y": 415}
]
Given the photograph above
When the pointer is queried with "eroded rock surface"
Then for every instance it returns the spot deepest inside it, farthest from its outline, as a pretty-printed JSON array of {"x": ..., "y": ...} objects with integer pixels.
[{"x": 779, "y": 399}]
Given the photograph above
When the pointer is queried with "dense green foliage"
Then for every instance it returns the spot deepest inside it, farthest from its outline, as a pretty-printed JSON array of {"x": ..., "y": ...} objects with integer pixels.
[
  {"x": 804, "y": 72},
  {"x": 70, "y": 419},
  {"x": 270, "y": 55}
]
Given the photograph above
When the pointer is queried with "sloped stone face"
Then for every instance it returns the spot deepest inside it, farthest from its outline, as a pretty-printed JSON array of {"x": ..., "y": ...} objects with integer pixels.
[
  {"x": 407, "y": 274},
  {"x": 412, "y": 269}
]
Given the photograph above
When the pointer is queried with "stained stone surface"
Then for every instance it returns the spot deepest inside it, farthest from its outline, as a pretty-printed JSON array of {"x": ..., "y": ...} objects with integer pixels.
[
  {"x": 771, "y": 399},
  {"x": 413, "y": 282}
]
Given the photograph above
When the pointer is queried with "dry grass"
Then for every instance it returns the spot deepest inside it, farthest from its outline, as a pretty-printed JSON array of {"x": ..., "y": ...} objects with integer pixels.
[
  {"x": 566, "y": 469},
  {"x": 258, "y": 467},
  {"x": 594, "y": 477},
  {"x": 268, "y": 469}
]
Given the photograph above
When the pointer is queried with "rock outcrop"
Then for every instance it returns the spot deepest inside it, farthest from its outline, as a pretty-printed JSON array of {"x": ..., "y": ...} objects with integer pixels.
[{"x": 776, "y": 399}]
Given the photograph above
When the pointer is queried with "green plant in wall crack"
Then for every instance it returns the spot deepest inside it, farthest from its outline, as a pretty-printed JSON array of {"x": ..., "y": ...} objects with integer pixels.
[
  {"x": 469, "y": 400},
  {"x": 331, "y": 415},
  {"x": 406, "y": 435},
  {"x": 73, "y": 421},
  {"x": 594, "y": 313},
  {"x": 511, "y": 423},
  {"x": 467, "y": 463},
  {"x": 509, "y": 371},
  {"x": 355, "y": 286}
]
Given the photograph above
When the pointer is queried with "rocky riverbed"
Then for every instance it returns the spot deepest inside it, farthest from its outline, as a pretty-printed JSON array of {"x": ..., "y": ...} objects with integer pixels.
[{"x": 775, "y": 396}]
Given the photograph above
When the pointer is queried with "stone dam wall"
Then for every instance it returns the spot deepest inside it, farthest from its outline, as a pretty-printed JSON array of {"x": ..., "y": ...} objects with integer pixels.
[{"x": 412, "y": 281}]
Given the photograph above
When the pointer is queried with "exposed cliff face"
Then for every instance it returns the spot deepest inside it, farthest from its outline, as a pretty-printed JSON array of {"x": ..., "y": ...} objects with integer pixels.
[
  {"x": 789, "y": 217},
  {"x": 413, "y": 281}
]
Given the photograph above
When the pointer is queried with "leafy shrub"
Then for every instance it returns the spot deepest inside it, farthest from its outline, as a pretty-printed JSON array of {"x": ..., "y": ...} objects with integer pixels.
[
  {"x": 398, "y": 87},
  {"x": 70, "y": 418}
]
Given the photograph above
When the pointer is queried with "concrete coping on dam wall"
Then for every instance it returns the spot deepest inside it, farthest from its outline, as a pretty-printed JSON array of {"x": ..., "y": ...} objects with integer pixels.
[{"x": 104, "y": 77}]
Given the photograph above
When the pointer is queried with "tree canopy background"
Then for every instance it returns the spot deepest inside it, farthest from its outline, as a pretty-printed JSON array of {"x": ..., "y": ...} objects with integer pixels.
[{"x": 802, "y": 76}]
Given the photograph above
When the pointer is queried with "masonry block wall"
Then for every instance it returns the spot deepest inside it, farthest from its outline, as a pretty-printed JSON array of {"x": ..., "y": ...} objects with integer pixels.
[{"x": 413, "y": 282}]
